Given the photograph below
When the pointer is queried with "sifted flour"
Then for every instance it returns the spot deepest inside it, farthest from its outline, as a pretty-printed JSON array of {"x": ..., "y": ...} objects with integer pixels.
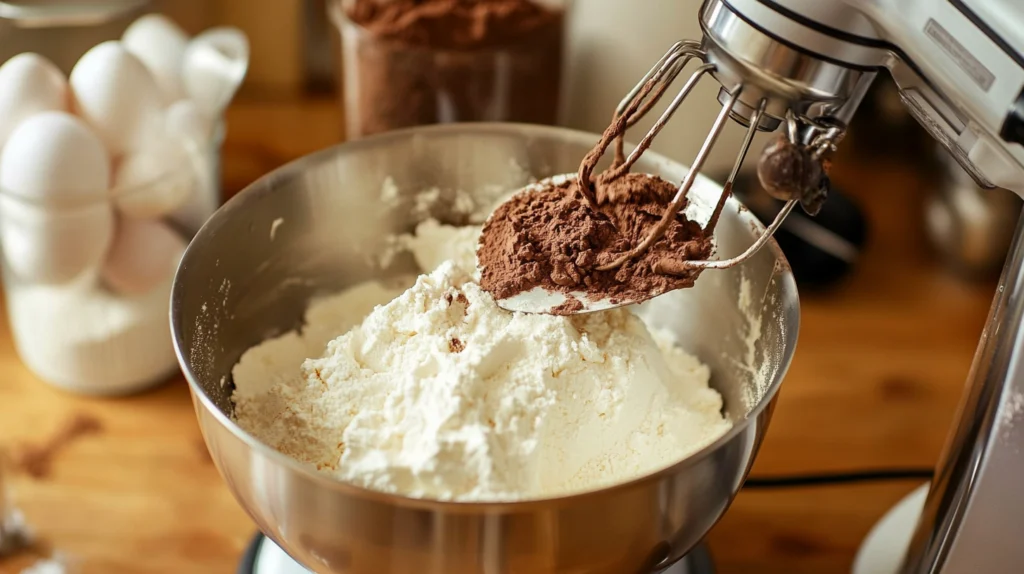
[{"x": 440, "y": 394}]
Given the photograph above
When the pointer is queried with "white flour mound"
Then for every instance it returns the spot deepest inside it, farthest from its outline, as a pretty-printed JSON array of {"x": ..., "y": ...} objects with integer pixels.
[{"x": 441, "y": 394}]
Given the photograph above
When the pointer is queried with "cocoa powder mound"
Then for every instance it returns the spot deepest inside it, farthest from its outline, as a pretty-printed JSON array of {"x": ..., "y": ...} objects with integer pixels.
[
  {"x": 552, "y": 238},
  {"x": 418, "y": 62}
]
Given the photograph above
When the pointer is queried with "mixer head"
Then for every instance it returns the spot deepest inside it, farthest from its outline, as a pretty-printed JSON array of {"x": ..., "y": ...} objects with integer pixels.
[{"x": 784, "y": 73}]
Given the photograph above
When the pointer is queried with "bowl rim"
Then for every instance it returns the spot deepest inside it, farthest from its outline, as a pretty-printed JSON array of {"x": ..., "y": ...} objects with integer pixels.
[{"x": 264, "y": 185}]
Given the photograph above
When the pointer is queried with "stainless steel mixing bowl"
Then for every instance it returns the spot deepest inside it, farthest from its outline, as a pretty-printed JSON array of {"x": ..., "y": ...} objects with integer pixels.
[{"x": 308, "y": 228}]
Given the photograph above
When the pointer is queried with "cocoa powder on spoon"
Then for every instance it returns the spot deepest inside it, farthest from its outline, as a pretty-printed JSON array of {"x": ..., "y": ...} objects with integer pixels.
[{"x": 551, "y": 237}]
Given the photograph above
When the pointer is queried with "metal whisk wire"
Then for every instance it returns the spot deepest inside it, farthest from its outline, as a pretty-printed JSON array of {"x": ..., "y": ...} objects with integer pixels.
[
  {"x": 660, "y": 124},
  {"x": 822, "y": 135},
  {"x": 641, "y": 99},
  {"x": 727, "y": 191},
  {"x": 638, "y": 102},
  {"x": 823, "y": 138},
  {"x": 672, "y": 62}
]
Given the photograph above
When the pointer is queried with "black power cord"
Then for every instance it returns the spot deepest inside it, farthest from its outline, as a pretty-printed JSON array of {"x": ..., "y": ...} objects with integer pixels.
[{"x": 876, "y": 475}]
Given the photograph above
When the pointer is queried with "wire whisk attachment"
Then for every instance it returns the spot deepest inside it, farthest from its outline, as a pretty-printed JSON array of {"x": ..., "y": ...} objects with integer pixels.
[{"x": 794, "y": 167}]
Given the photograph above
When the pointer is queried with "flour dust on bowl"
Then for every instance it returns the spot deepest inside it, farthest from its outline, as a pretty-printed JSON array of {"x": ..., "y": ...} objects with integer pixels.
[{"x": 328, "y": 222}]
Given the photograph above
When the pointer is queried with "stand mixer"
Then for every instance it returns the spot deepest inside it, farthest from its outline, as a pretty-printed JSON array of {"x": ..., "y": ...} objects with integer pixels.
[{"x": 959, "y": 66}]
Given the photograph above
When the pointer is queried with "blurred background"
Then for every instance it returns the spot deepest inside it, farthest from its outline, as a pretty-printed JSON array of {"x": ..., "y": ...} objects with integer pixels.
[{"x": 896, "y": 276}]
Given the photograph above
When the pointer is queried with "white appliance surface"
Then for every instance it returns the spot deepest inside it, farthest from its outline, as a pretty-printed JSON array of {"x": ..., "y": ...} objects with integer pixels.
[{"x": 883, "y": 550}]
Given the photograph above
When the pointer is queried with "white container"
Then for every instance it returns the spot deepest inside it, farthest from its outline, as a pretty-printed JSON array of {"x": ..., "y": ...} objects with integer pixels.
[
  {"x": 89, "y": 337},
  {"x": 611, "y": 45},
  {"x": 56, "y": 221}
]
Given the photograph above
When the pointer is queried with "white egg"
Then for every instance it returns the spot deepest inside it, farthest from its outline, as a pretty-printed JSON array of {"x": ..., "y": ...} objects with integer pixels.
[
  {"x": 117, "y": 96},
  {"x": 55, "y": 219},
  {"x": 159, "y": 43},
  {"x": 184, "y": 120},
  {"x": 155, "y": 179},
  {"x": 54, "y": 154},
  {"x": 145, "y": 254},
  {"x": 29, "y": 84},
  {"x": 54, "y": 246}
]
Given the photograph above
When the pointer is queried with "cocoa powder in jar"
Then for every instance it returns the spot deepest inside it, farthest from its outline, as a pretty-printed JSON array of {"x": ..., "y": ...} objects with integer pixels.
[{"x": 416, "y": 62}]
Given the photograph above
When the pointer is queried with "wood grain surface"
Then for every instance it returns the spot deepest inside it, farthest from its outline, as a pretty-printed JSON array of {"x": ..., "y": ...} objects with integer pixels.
[{"x": 877, "y": 377}]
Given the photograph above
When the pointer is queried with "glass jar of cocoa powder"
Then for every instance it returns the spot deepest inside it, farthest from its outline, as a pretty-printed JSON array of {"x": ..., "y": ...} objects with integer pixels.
[{"x": 413, "y": 62}]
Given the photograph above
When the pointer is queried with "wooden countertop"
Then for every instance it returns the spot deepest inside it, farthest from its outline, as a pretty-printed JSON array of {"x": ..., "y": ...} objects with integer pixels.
[{"x": 877, "y": 376}]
